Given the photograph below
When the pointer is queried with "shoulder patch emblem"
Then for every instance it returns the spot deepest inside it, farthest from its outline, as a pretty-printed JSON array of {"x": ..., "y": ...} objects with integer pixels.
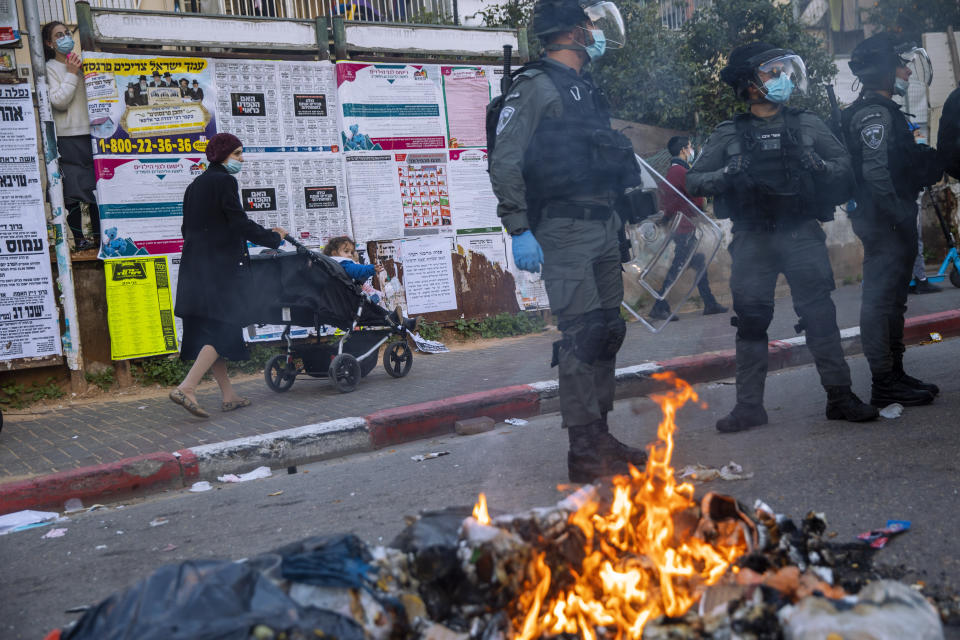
[
  {"x": 872, "y": 135},
  {"x": 505, "y": 116}
]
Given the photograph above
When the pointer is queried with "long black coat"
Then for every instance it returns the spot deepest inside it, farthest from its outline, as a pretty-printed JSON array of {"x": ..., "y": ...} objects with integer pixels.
[{"x": 215, "y": 257}]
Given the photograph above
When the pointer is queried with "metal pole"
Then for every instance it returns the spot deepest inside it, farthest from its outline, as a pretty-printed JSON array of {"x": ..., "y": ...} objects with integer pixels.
[{"x": 68, "y": 300}]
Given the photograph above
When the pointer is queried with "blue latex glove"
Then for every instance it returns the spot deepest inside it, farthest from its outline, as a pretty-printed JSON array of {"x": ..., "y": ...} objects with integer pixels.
[{"x": 527, "y": 252}]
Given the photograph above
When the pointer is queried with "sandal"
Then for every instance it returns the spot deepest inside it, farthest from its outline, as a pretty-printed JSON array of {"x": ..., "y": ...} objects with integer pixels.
[
  {"x": 180, "y": 398},
  {"x": 235, "y": 404}
]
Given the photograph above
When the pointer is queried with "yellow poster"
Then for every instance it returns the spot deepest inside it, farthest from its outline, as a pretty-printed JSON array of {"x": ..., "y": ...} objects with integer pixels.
[{"x": 139, "y": 307}]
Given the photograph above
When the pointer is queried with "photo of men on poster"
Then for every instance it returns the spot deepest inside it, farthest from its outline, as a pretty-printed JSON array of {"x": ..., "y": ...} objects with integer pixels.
[{"x": 148, "y": 105}]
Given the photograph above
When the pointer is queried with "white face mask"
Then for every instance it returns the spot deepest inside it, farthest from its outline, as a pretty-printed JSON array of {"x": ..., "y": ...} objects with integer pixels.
[{"x": 692, "y": 154}]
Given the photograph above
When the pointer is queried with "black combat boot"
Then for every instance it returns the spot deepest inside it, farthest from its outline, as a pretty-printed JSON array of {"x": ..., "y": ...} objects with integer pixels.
[
  {"x": 713, "y": 307},
  {"x": 611, "y": 447},
  {"x": 912, "y": 382},
  {"x": 843, "y": 404},
  {"x": 890, "y": 388},
  {"x": 661, "y": 311},
  {"x": 743, "y": 417},
  {"x": 585, "y": 460}
]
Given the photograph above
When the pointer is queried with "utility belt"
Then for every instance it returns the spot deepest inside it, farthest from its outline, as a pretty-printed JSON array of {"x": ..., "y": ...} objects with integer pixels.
[{"x": 577, "y": 211}]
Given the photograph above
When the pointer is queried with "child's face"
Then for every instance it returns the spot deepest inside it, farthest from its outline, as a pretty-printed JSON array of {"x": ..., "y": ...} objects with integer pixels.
[{"x": 347, "y": 251}]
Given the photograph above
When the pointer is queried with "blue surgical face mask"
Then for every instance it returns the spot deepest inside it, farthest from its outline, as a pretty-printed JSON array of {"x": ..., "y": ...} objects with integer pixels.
[
  {"x": 233, "y": 166},
  {"x": 779, "y": 88},
  {"x": 65, "y": 44},
  {"x": 900, "y": 86},
  {"x": 598, "y": 46},
  {"x": 921, "y": 141}
]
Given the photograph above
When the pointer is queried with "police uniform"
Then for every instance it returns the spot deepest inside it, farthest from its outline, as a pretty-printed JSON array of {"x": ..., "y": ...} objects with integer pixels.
[
  {"x": 557, "y": 169},
  {"x": 890, "y": 167},
  {"x": 776, "y": 211}
]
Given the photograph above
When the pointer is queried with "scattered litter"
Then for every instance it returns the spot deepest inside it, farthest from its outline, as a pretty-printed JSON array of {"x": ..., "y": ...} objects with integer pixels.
[
  {"x": 702, "y": 473},
  {"x": 94, "y": 507},
  {"x": 119, "y": 532},
  {"x": 429, "y": 456},
  {"x": 100, "y": 547},
  {"x": 20, "y": 520},
  {"x": 517, "y": 422},
  {"x": 892, "y": 411},
  {"x": 74, "y": 437},
  {"x": 54, "y": 533},
  {"x": 936, "y": 337},
  {"x": 169, "y": 547},
  {"x": 878, "y": 538},
  {"x": 73, "y": 504},
  {"x": 142, "y": 407},
  {"x": 156, "y": 522},
  {"x": 428, "y": 346},
  {"x": 883, "y": 610},
  {"x": 256, "y": 474},
  {"x": 203, "y": 485},
  {"x": 275, "y": 493}
]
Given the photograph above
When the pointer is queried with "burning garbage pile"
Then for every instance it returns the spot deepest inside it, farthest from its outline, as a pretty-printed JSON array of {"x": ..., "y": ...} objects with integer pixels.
[{"x": 638, "y": 558}]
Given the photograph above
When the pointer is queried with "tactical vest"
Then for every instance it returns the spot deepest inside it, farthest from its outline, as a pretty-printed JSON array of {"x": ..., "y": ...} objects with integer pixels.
[
  {"x": 782, "y": 194},
  {"x": 912, "y": 166},
  {"x": 577, "y": 155}
]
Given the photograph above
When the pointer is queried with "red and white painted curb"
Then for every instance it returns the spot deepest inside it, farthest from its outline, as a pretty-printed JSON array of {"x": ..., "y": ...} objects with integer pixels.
[{"x": 389, "y": 427}]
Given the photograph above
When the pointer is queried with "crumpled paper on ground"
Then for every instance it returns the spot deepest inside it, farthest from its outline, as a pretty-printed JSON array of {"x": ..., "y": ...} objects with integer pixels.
[
  {"x": 13, "y": 521},
  {"x": 256, "y": 474},
  {"x": 428, "y": 346},
  {"x": 703, "y": 473}
]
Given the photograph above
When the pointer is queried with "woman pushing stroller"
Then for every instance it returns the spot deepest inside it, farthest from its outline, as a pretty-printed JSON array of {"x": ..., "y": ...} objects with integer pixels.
[{"x": 213, "y": 265}]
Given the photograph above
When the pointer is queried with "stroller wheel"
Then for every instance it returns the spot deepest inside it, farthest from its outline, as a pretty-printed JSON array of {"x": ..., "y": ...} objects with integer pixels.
[
  {"x": 278, "y": 374},
  {"x": 345, "y": 372},
  {"x": 955, "y": 276},
  {"x": 397, "y": 359}
]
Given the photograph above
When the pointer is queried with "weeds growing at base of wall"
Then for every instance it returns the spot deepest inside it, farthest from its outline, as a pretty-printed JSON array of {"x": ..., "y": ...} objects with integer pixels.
[
  {"x": 103, "y": 379},
  {"x": 169, "y": 371},
  {"x": 17, "y": 396}
]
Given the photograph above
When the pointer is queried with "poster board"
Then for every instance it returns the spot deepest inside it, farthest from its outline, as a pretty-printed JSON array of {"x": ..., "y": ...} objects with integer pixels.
[
  {"x": 140, "y": 307},
  {"x": 29, "y": 319},
  {"x": 383, "y": 153}
]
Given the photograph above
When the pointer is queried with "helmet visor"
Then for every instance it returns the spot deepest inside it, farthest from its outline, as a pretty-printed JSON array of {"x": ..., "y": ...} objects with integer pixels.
[
  {"x": 606, "y": 17},
  {"x": 917, "y": 60},
  {"x": 791, "y": 65}
]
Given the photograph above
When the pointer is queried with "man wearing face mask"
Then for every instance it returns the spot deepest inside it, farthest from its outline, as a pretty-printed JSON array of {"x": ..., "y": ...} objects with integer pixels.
[
  {"x": 891, "y": 169},
  {"x": 777, "y": 172},
  {"x": 557, "y": 168}
]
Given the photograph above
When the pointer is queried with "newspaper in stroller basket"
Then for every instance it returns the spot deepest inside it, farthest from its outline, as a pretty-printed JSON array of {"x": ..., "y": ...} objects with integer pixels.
[{"x": 309, "y": 289}]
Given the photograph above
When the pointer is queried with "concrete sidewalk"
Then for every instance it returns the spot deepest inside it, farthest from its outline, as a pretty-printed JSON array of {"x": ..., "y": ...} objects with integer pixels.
[{"x": 104, "y": 433}]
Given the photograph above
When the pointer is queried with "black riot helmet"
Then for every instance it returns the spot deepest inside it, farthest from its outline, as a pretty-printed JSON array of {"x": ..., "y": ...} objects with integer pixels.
[
  {"x": 747, "y": 60},
  {"x": 875, "y": 60},
  {"x": 559, "y": 16}
]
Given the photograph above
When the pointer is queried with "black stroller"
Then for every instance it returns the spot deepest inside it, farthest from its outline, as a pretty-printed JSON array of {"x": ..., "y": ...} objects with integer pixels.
[{"x": 308, "y": 289}]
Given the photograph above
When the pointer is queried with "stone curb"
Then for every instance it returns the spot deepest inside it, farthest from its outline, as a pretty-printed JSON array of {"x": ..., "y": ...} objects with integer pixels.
[{"x": 389, "y": 427}]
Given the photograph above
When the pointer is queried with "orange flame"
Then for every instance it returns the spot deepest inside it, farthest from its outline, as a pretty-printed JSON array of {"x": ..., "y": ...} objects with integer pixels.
[
  {"x": 480, "y": 510},
  {"x": 639, "y": 563}
]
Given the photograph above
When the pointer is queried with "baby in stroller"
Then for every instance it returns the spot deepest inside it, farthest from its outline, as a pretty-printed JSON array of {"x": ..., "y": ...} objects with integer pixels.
[{"x": 343, "y": 249}]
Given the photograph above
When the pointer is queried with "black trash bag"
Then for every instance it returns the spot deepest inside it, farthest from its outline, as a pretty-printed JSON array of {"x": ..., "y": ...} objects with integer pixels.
[
  {"x": 338, "y": 561},
  {"x": 330, "y": 561},
  {"x": 431, "y": 540},
  {"x": 208, "y": 600}
]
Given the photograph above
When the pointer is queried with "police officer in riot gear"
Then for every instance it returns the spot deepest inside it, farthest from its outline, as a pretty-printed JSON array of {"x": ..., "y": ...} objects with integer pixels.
[
  {"x": 891, "y": 169},
  {"x": 557, "y": 169},
  {"x": 777, "y": 172}
]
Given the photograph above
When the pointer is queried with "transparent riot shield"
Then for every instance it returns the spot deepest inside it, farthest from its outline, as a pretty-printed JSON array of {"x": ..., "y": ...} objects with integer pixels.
[{"x": 670, "y": 251}]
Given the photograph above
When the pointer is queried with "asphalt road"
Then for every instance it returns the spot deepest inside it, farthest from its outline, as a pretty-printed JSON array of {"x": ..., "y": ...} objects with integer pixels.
[{"x": 858, "y": 475}]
